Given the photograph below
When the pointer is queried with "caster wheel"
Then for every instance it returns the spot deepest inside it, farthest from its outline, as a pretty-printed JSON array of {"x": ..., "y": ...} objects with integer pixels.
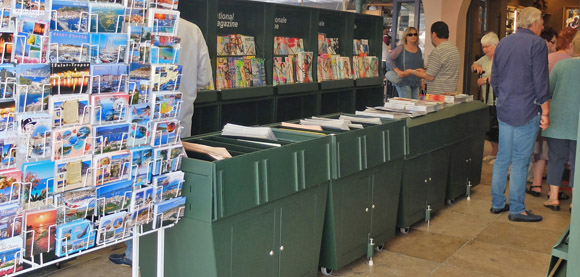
[
  {"x": 405, "y": 230},
  {"x": 380, "y": 247},
  {"x": 325, "y": 271},
  {"x": 450, "y": 201},
  {"x": 58, "y": 265}
]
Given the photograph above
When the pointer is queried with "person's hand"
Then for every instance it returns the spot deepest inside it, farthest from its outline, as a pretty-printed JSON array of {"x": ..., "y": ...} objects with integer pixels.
[
  {"x": 544, "y": 122},
  {"x": 402, "y": 74},
  {"x": 476, "y": 68},
  {"x": 408, "y": 72},
  {"x": 420, "y": 72},
  {"x": 481, "y": 81}
]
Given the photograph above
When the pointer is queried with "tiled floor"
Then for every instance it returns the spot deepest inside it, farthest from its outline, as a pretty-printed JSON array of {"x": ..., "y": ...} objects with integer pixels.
[{"x": 463, "y": 239}]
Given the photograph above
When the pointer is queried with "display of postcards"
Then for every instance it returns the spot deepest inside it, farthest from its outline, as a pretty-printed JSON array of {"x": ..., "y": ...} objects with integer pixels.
[
  {"x": 108, "y": 77},
  {"x": 31, "y": 6},
  {"x": 10, "y": 220},
  {"x": 168, "y": 211},
  {"x": 142, "y": 197},
  {"x": 141, "y": 165},
  {"x": 8, "y": 149},
  {"x": 69, "y": 16},
  {"x": 109, "y": 107},
  {"x": 139, "y": 117},
  {"x": 114, "y": 197},
  {"x": 168, "y": 185},
  {"x": 304, "y": 67},
  {"x": 76, "y": 204},
  {"x": 71, "y": 142},
  {"x": 139, "y": 44},
  {"x": 223, "y": 46},
  {"x": 111, "y": 167},
  {"x": 73, "y": 173},
  {"x": 31, "y": 41},
  {"x": 39, "y": 231},
  {"x": 10, "y": 254},
  {"x": 7, "y": 80},
  {"x": 6, "y": 46},
  {"x": 106, "y": 18},
  {"x": 37, "y": 183},
  {"x": 163, "y": 21},
  {"x": 37, "y": 130},
  {"x": 33, "y": 87},
  {"x": 69, "y": 78},
  {"x": 166, "y": 104},
  {"x": 69, "y": 109},
  {"x": 135, "y": 15},
  {"x": 165, "y": 77},
  {"x": 167, "y": 159},
  {"x": 142, "y": 215},
  {"x": 73, "y": 237},
  {"x": 10, "y": 181},
  {"x": 108, "y": 47},
  {"x": 109, "y": 138},
  {"x": 165, "y": 132},
  {"x": 111, "y": 228},
  {"x": 7, "y": 114}
]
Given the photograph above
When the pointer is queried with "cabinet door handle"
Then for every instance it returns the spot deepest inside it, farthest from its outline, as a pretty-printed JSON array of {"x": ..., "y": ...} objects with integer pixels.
[
  {"x": 373, "y": 206},
  {"x": 272, "y": 253},
  {"x": 429, "y": 179},
  {"x": 425, "y": 181},
  {"x": 282, "y": 248},
  {"x": 367, "y": 210}
]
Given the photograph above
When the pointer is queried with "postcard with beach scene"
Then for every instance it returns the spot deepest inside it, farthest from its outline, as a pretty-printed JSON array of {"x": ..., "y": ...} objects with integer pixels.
[
  {"x": 109, "y": 107},
  {"x": 10, "y": 254},
  {"x": 6, "y": 46},
  {"x": 142, "y": 197},
  {"x": 108, "y": 77},
  {"x": 114, "y": 197},
  {"x": 10, "y": 181},
  {"x": 76, "y": 204},
  {"x": 140, "y": 118},
  {"x": 7, "y": 80},
  {"x": 73, "y": 173},
  {"x": 163, "y": 21},
  {"x": 39, "y": 231},
  {"x": 164, "y": 54},
  {"x": 37, "y": 132},
  {"x": 31, "y": 41},
  {"x": 8, "y": 147},
  {"x": 168, "y": 186},
  {"x": 165, "y": 77},
  {"x": 111, "y": 227},
  {"x": 168, "y": 211},
  {"x": 33, "y": 87},
  {"x": 112, "y": 167},
  {"x": 139, "y": 44},
  {"x": 71, "y": 142},
  {"x": 106, "y": 18},
  {"x": 69, "y": 109},
  {"x": 167, "y": 104},
  {"x": 37, "y": 183},
  {"x": 73, "y": 237},
  {"x": 141, "y": 165},
  {"x": 70, "y": 78},
  {"x": 7, "y": 114},
  {"x": 108, "y": 47},
  {"x": 69, "y": 47},
  {"x": 10, "y": 220},
  {"x": 165, "y": 132},
  {"x": 69, "y": 16}
]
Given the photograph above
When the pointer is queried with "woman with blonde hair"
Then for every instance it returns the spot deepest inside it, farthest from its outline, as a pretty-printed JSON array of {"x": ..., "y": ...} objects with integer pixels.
[{"x": 403, "y": 60}]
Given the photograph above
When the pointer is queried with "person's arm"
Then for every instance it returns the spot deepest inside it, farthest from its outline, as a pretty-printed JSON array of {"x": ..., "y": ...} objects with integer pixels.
[
  {"x": 433, "y": 67},
  {"x": 494, "y": 80},
  {"x": 204, "y": 72},
  {"x": 541, "y": 81},
  {"x": 421, "y": 73}
]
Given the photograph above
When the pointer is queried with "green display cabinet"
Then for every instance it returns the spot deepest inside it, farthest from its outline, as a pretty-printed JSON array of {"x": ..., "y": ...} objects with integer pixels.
[
  {"x": 206, "y": 113},
  {"x": 465, "y": 167},
  {"x": 336, "y": 100},
  {"x": 248, "y": 112},
  {"x": 292, "y": 106}
]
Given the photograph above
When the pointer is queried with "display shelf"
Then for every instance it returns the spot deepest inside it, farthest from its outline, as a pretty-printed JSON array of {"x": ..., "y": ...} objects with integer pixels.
[
  {"x": 334, "y": 101},
  {"x": 369, "y": 27},
  {"x": 206, "y": 118},
  {"x": 337, "y": 24},
  {"x": 374, "y": 81},
  {"x": 250, "y": 112},
  {"x": 245, "y": 93},
  {"x": 369, "y": 97},
  {"x": 290, "y": 107},
  {"x": 336, "y": 84},
  {"x": 206, "y": 96},
  {"x": 296, "y": 88}
]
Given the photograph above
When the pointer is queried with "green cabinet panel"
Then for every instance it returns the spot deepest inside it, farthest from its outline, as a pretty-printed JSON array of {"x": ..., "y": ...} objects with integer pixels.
[
  {"x": 438, "y": 174},
  {"x": 371, "y": 96},
  {"x": 385, "y": 200},
  {"x": 354, "y": 216},
  {"x": 465, "y": 166}
]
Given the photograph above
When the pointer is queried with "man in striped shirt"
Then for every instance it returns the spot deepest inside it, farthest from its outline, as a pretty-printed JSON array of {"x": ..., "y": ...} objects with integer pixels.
[{"x": 442, "y": 71}]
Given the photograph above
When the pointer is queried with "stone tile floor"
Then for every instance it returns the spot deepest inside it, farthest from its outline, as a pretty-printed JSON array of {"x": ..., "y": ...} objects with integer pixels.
[{"x": 462, "y": 239}]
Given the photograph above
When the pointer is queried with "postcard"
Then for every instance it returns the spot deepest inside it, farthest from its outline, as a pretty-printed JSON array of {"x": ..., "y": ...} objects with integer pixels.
[
  {"x": 142, "y": 197},
  {"x": 165, "y": 132},
  {"x": 73, "y": 237},
  {"x": 108, "y": 78},
  {"x": 136, "y": 12},
  {"x": 106, "y": 18},
  {"x": 166, "y": 104},
  {"x": 69, "y": 109},
  {"x": 141, "y": 165},
  {"x": 6, "y": 21},
  {"x": 137, "y": 4},
  {"x": 108, "y": 47},
  {"x": 109, "y": 107},
  {"x": 31, "y": 41},
  {"x": 114, "y": 197},
  {"x": 39, "y": 231},
  {"x": 165, "y": 4},
  {"x": 140, "y": 118},
  {"x": 31, "y": 7},
  {"x": 163, "y": 21},
  {"x": 32, "y": 87},
  {"x": 10, "y": 253},
  {"x": 139, "y": 44},
  {"x": 71, "y": 142},
  {"x": 168, "y": 211},
  {"x": 70, "y": 78},
  {"x": 76, "y": 204},
  {"x": 165, "y": 77},
  {"x": 110, "y": 138},
  {"x": 112, "y": 167},
  {"x": 164, "y": 54},
  {"x": 8, "y": 150},
  {"x": 37, "y": 132},
  {"x": 37, "y": 183},
  {"x": 69, "y": 16},
  {"x": 168, "y": 186},
  {"x": 73, "y": 173},
  {"x": 10, "y": 181},
  {"x": 141, "y": 215},
  {"x": 69, "y": 47},
  {"x": 111, "y": 228},
  {"x": 6, "y": 46},
  {"x": 167, "y": 159},
  {"x": 7, "y": 80},
  {"x": 7, "y": 115},
  {"x": 139, "y": 82},
  {"x": 10, "y": 221}
]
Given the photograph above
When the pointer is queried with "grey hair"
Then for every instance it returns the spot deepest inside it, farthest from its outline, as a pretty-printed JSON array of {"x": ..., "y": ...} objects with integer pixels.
[
  {"x": 528, "y": 16},
  {"x": 489, "y": 39}
]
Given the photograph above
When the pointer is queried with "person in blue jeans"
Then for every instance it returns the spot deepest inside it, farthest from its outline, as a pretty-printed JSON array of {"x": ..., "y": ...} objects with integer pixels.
[
  {"x": 125, "y": 258},
  {"x": 403, "y": 60},
  {"x": 519, "y": 78}
]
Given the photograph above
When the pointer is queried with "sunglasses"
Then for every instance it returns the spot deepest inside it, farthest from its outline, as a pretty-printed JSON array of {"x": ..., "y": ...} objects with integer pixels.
[{"x": 413, "y": 34}]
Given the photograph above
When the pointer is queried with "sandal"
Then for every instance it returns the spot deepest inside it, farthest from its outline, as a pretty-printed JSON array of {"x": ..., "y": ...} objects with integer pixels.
[
  {"x": 533, "y": 192},
  {"x": 551, "y": 205}
]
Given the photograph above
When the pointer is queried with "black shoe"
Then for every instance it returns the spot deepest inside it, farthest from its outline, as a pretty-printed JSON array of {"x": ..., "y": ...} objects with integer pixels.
[
  {"x": 120, "y": 259},
  {"x": 532, "y": 192},
  {"x": 499, "y": 211},
  {"x": 561, "y": 196},
  {"x": 529, "y": 217}
]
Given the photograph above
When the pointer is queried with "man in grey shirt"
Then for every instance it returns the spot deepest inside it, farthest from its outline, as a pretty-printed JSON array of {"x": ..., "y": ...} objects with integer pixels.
[{"x": 442, "y": 71}]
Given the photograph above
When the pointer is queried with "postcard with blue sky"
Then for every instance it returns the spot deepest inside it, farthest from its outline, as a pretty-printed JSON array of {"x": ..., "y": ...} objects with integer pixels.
[
  {"x": 140, "y": 117},
  {"x": 68, "y": 47},
  {"x": 111, "y": 227},
  {"x": 168, "y": 185},
  {"x": 111, "y": 167},
  {"x": 141, "y": 165},
  {"x": 114, "y": 197},
  {"x": 38, "y": 179},
  {"x": 73, "y": 237},
  {"x": 110, "y": 138},
  {"x": 69, "y": 16},
  {"x": 108, "y": 47},
  {"x": 106, "y": 18}
]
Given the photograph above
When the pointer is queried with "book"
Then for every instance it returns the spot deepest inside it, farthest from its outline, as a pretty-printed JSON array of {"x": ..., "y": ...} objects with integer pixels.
[
  {"x": 10, "y": 254},
  {"x": 111, "y": 138},
  {"x": 106, "y": 18},
  {"x": 165, "y": 77},
  {"x": 73, "y": 173},
  {"x": 31, "y": 40},
  {"x": 107, "y": 78},
  {"x": 168, "y": 211},
  {"x": 111, "y": 228},
  {"x": 36, "y": 130},
  {"x": 111, "y": 167},
  {"x": 69, "y": 16},
  {"x": 73, "y": 237},
  {"x": 165, "y": 132},
  {"x": 114, "y": 197},
  {"x": 76, "y": 204},
  {"x": 234, "y": 130},
  {"x": 10, "y": 180},
  {"x": 140, "y": 118},
  {"x": 141, "y": 165},
  {"x": 69, "y": 47},
  {"x": 163, "y": 21},
  {"x": 168, "y": 186},
  {"x": 71, "y": 142},
  {"x": 204, "y": 152},
  {"x": 69, "y": 78},
  {"x": 166, "y": 104},
  {"x": 32, "y": 87},
  {"x": 108, "y": 47},
  {"x": 39, "y": 231},
  {"x": 10, "y": 221},
  {"x": 142, "y": 197},
  {"x": 72, "y": 109},
  {"x": 109, "y": 107}
]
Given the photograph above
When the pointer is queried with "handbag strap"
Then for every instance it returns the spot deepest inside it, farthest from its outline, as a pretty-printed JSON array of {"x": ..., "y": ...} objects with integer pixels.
[{"x": 404, "y": 59}]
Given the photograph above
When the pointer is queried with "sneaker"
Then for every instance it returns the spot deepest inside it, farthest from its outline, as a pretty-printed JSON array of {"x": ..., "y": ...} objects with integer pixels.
[
  {"x": 488, "y": 158},
  {"x": 120, "y": 259}
]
